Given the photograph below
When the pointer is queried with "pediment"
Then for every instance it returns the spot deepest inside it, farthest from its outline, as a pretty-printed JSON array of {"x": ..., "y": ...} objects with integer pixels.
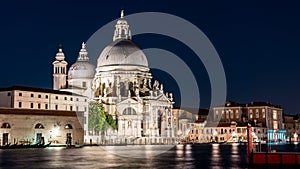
[
  {"x": 162, "y": 98},
  {"x": 129, "y": 101}
]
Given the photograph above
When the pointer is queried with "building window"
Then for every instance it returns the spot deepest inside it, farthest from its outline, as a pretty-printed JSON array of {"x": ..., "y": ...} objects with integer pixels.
[
  {"x": 39, "y": 96},
  {"x": 46, "y": 96},
  {"x": 237, "y": 116},
  {"x": 263, "y": 113},
  {"x": 39, "y": 126},
  {"x": 31, "y": 95},
  {"x": 84, "y": 108},
  {"x": 129, "y": 111},
  {"x": 227, "y": 114},
  {"x": 5, "y": 125},
  {"x": 217, "y": 115},
  {"x": 56, "y": 97},
  {"x": 77, "y": 99},
  {"x": 65, "y": 98},
  {"x": 76, "y": 108},
  {"x": 196, "y": 131},
  {"x": 250, "y": 115},
  {"x": 71, "y": 98},
  {"x": 257, "y": 115},
  {"x": 83, "y": 84},
  {"x": 275, "y": 125},
  {"x": 231, "y": 114},
  {"x": 192, "y": 131},
  {"x": 274, "y": 114},
  {"x": 68, "y": 126},
  {"x": 8, "y": 94},
  {"x": 46, "y": 106},
  {"x": 71, "y": 108},
  {"x": 39, "y": 105},
  {"x": 56, "y": 107},
  {"x": 85, "y": 100},
  {"x": 223, "y": 116},
  {"x": 20, "y": 104},
  {"x": 20, "y": 94},
  {"x": 31, "y": 105}
]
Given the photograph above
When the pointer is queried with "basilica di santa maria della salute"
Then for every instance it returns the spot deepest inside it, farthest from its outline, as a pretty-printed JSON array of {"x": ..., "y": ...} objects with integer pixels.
[{"x": 123, "y": 84}]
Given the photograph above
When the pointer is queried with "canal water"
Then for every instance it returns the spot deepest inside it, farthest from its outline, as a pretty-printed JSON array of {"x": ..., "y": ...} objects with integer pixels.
[{"x": 180, "y": 156}]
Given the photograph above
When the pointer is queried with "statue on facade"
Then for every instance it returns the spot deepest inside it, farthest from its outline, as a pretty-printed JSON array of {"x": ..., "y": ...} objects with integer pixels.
[
  {"x": 129, "y": 93},
  {"x": 161, "y": 87},
  {"x": 144, "y": 83},
  {"x": 137, "y": 92},
  {"x": 156, "y": 85},
  {"x": 109, "y": 90},
  {"x": 149, "y": 83},
  {"x": 171, "y": 97}
]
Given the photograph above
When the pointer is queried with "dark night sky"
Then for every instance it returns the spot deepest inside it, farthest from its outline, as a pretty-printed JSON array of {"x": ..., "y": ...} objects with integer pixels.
[{"x": 258, "y": 43}]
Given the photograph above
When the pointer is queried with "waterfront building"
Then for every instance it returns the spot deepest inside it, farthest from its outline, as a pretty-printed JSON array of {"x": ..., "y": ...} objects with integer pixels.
[
  {"x": 32, "y": 126},
  {"x": 228, "y": 123},
  {"x": 24, "y": 97},
  {"x": 291, "y": 126},
  {"x": 297, "y": 127},
  {"x": 56, "y": 106}
]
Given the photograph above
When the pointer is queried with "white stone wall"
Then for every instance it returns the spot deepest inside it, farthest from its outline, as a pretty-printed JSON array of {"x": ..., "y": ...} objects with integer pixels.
[{"x": 23, "y": 129}]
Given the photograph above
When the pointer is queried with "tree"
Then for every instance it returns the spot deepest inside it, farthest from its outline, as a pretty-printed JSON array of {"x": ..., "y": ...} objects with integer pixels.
[{"x": 100, "y": 121}]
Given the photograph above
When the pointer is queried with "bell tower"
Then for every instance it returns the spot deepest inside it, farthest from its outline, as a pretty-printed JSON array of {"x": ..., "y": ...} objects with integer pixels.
[{"x": 59, "y": 71}]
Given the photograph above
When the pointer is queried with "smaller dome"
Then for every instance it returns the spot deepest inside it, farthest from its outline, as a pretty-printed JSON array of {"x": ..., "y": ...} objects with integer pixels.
[{"x": 81, "y": 69}]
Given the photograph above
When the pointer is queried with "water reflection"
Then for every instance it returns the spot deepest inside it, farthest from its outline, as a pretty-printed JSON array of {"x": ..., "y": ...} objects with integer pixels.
[{"x": 180, "y": 156}]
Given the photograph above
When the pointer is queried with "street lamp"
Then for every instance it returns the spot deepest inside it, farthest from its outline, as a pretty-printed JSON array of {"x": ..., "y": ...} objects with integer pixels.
[{"x": 295, "y": 137}]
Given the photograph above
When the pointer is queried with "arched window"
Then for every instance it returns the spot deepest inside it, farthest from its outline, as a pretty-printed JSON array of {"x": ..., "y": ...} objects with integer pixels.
[
  {"x": 68, "y": 126},
  {"x": 5, "y": 126},
  {"x": 129, "y": 111},
  {"x": 39, "y": 126}
]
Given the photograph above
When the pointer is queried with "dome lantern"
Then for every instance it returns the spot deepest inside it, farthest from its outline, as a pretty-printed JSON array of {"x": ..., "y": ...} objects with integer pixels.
[
  {"x": 83, "y": 54},
  {"x": 60, "y": 56},
  {"x": 122, "y": 30}
]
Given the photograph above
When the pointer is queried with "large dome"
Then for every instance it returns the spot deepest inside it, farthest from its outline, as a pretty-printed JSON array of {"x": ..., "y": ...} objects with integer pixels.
[
  {"x": 122, "y": 52},
  {"x": 81, "y": 69}
]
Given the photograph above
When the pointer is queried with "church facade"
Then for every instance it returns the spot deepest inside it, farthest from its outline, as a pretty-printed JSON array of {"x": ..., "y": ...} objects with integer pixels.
[{"x": 123, "y": 84}]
